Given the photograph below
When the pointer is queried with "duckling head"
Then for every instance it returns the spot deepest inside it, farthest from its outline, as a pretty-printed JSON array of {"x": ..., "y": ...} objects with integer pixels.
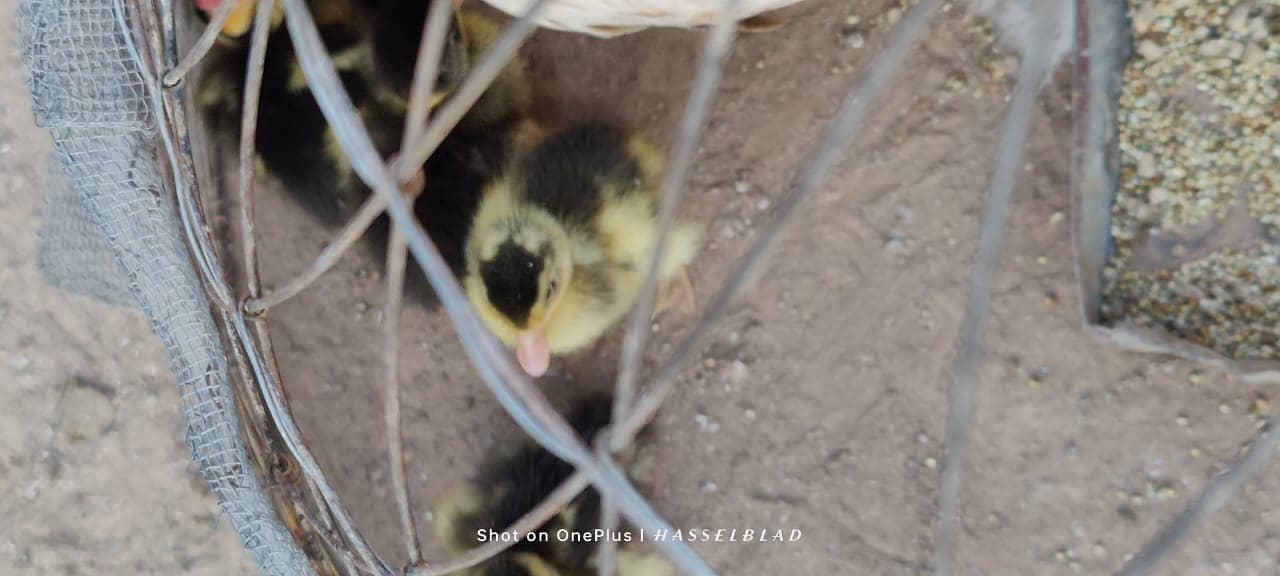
[{"x": 518, "y": 269}]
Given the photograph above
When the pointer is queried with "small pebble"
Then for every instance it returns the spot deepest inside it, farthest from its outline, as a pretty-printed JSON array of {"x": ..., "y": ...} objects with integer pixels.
[
  {"x": 895, "y": 246},
  {"x": 1150, "y": 50},
  {"x": 19, "y": 364}
]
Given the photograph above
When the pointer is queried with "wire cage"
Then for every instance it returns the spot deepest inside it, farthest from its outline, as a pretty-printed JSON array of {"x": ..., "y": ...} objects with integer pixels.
[{"x": 111, "y": 80}]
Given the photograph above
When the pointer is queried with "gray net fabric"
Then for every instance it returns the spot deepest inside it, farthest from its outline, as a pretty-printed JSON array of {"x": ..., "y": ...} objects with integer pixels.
[
  {"x": 73, "y": 254},
  {"x": 88, "y": 92}
]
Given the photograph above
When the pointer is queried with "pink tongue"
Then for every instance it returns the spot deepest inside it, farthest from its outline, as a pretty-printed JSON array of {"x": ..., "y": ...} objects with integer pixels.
[
  {"x": 208, "y": 5},
  {"x": 533, "y": 354}
]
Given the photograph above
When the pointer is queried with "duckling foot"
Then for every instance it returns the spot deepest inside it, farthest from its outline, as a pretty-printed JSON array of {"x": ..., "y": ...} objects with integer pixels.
[{"x": 676, "y": 294}]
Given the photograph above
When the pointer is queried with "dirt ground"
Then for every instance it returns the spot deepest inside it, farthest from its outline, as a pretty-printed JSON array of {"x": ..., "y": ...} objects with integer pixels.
[{"x": 819, "y": 405}]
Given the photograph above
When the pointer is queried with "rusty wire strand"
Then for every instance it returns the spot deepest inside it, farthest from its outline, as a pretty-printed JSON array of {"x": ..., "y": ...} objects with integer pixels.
[
  {"x": 428, "y": 62},
  {"x": 513, "y": 390},
  {"x": 202, "y": 44},
  {"x": 248, "y": 132},
  {"x": 345, "y": 239},
  {"x": 396, "y": 259},
  {"x": 278, "y": 407},
  {"x": 172, "y": 128}
]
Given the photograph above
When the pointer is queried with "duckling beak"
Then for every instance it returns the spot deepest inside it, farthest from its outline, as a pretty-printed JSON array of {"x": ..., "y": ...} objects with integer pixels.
[{"x": 532, "y": 352}]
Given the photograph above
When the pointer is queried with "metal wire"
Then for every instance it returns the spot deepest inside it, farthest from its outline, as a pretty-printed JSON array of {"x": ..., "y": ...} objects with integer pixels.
[
  {"x": 539, "y": 515},
  {"x": 162, "y": 100},
  {"x": 396, "y": 260},
  {"x": 1219, "y": 490},
  {"x": 491, "y": 63},
  {"x": 428, "y": 62},
  {"x": 1034, "y": 68},
  {"x": 837, "y": 136},
  {"x": 202, "y": 44},
  {"x": 248, "y": 132},
  {"x": 514, "y": 391},
  {"x": 426, "y": 71},
  {"x": 201, "y": 244},
  {"x": 517, "y": 395},
  {"x": 282, "y": 416},
  {"x": 345, "y": 239},
  {"x": 698, "y": 107}
]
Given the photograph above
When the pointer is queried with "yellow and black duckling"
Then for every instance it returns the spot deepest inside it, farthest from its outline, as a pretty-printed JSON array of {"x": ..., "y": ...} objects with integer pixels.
[
  {"x": 560, "y": 244},
  {"x": 374, "y": 45},
  {"x": 508, "y": 487}
]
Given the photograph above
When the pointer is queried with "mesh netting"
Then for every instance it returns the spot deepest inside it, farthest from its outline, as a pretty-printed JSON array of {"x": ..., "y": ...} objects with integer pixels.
[
  {"x": 73, "y": 255},
  {"x": 88, "y": 92}
]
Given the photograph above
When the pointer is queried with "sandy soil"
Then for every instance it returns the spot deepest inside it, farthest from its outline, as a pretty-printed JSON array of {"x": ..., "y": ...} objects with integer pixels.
[{"x": 819, "y": 405}]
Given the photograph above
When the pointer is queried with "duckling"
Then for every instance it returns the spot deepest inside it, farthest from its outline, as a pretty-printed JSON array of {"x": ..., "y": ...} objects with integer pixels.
[
  {"x": 508, "y": 487},
  {"x": 373, "y": 44},
  {"x": 560, "y": 245}
]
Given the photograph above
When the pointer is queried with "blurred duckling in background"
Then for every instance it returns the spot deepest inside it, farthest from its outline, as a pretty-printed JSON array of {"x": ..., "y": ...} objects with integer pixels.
[
  {"x": 373, "y": 44},
  {"x": 508, "y": 487},
  {"x": 240, "y": 20},
  {"x": 560, "y": 245}
]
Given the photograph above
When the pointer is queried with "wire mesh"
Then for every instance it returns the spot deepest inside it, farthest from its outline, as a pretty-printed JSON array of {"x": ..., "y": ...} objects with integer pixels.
[
  {"x": 73, "y": 255},
  {"x": 99, "y": 96},
  {"x": 88, "y": 90}
]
